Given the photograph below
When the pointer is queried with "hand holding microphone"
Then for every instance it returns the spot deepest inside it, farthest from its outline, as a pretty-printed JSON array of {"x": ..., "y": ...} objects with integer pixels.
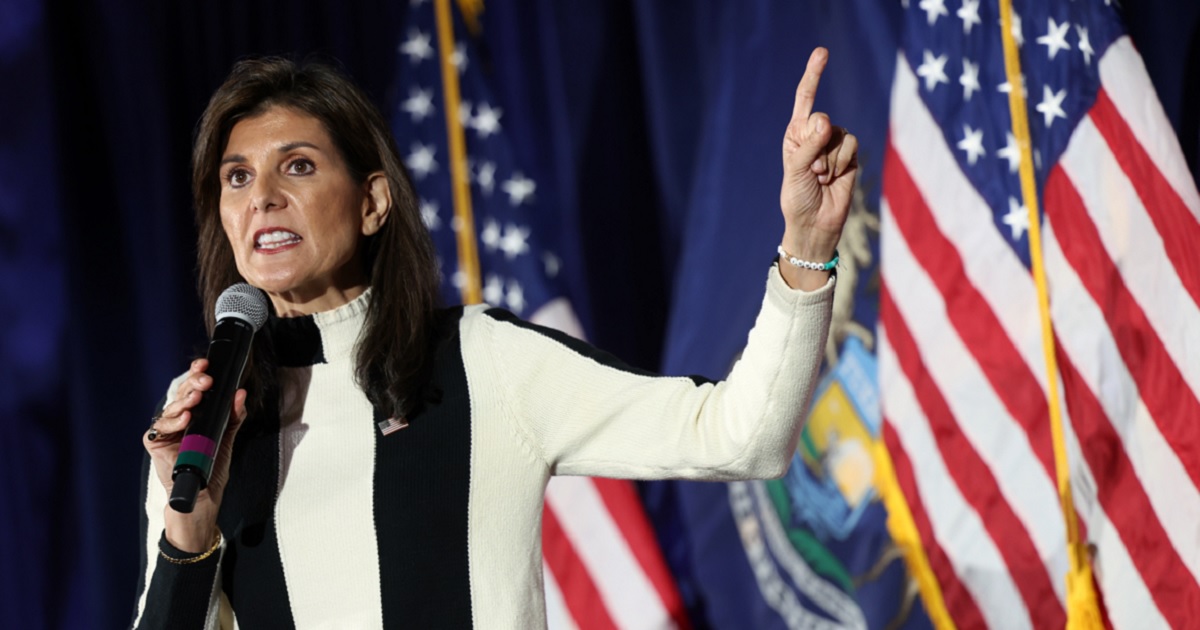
[{"x": 191, "y": 442}]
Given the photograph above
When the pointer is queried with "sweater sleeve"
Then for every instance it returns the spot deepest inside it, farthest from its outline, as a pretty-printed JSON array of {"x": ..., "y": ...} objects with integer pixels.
[
  {"x": 172, "y": 594},
  {"x": 585, "y": 413}
]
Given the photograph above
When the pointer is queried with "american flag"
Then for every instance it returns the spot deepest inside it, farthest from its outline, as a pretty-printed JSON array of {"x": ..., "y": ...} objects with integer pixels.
[
  {"x": 391, "y": 425},
  {"x": 963, "y": 367},
  {"x": 603, "y": 568}
]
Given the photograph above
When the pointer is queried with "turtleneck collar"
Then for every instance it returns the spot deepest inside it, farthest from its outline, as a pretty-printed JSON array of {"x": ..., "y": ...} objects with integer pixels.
[{"x": 320, "y": 337}]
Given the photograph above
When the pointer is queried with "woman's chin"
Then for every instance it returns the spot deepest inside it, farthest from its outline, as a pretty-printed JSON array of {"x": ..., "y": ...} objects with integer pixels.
[{"x": 273, "y": 285}]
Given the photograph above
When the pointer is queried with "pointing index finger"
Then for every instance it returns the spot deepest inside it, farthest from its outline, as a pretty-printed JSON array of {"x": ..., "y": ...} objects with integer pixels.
[{"x": 806, "y": 92}]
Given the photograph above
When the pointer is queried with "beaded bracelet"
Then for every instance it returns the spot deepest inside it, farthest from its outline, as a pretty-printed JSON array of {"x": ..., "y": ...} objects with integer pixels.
[
  {"x": 194, "y": 560},
  {"x": 805, "y": 264}
]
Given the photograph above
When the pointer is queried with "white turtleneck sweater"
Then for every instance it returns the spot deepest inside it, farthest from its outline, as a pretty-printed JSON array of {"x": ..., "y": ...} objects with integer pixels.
[{"x": 329, "y": 523}]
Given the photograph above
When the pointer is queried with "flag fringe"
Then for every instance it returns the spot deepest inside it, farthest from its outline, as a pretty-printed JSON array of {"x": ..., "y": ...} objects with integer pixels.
[{"x": 904, "y": 534}]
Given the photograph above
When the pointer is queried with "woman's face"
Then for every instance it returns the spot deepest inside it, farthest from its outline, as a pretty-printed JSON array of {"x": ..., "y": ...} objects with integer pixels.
[{"x": 293, "y": 214}]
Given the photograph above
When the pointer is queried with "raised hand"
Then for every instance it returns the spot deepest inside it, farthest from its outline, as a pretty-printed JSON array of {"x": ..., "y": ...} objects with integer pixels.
[
  {"x": 193, "y": 532},
  {"x": 820, "y": 164}
]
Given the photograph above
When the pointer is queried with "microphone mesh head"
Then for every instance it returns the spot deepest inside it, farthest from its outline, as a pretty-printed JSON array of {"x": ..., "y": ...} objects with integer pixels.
[{"x": 243, "y": 302}]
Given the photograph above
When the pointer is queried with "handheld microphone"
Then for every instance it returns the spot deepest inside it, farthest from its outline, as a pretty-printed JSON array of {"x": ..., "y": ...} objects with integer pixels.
[{"x": 241, "y": 311}]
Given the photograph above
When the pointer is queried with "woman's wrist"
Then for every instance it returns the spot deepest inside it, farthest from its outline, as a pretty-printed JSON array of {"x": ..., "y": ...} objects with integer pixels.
[
  {"x": 809, "y": 244},
  {"x": 190, "y": 533}
]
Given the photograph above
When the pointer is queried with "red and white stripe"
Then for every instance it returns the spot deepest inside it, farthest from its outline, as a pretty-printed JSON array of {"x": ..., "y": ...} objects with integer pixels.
[
  {"x": 963, "y": 376},
  {"x": 602, "y": 556},
  {"x": 602, "y": 564}
]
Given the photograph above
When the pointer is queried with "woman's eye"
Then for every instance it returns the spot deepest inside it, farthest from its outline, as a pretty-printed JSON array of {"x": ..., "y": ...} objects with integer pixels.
[
  {"x": 237, "y": 177},
  {"x": 301, "y": 167}
]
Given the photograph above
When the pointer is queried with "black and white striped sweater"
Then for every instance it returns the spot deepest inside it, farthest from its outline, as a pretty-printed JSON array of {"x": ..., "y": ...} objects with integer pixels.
[{"x": 328, "y": 523}]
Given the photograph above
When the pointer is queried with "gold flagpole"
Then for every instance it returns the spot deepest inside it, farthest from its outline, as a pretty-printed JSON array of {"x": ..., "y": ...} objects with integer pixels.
[
  {"x": 464, "y": 220},
  {"x": 1083, "y": 609}
]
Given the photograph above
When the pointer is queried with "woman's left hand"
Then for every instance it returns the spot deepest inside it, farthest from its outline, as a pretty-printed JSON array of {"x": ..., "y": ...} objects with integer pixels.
[{"x": 820, "y": 164}]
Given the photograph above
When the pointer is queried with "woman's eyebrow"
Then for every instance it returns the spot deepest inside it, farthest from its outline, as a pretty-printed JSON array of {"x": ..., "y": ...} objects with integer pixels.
[
  {"x": 296, "y": 145},
  {"x": 291, "y": 146}
]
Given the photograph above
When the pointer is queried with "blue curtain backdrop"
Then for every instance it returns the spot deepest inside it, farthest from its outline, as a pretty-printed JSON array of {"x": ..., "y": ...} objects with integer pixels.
[{"x": 652, "y": 117}]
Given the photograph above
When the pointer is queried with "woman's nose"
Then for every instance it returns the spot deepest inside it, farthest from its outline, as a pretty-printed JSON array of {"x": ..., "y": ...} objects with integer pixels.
[{"x": 265, "y": 194}]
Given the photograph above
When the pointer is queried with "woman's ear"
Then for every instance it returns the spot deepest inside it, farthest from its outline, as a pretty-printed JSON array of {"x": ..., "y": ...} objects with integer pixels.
[{"x": 377, "y": 204}]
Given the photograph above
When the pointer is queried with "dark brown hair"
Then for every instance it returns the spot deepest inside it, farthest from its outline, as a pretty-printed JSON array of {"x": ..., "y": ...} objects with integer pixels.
[{"x": 399, "y": 261}]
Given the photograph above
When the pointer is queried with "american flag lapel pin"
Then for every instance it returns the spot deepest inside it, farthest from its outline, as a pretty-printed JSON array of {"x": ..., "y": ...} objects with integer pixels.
[{"x": 392, "y": 425}]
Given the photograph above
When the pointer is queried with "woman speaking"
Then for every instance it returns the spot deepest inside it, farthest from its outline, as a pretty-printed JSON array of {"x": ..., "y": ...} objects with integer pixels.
[{"x": 385, "y": 460}]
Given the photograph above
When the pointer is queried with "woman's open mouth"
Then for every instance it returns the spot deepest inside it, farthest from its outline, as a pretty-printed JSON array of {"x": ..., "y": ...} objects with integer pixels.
[{"x": 269, "y": 241}]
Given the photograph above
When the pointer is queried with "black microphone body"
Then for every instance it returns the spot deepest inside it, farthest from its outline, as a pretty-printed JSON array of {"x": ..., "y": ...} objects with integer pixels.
[{"x": 227, "y": 354}]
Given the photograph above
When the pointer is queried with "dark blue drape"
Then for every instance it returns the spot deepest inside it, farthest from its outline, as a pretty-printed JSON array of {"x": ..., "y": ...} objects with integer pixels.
[
  {"x": 32, "y": 314},
  {"x": 97, "y": 302}
]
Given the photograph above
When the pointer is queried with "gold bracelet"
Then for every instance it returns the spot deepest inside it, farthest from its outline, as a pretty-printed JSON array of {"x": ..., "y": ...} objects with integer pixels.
[{"x": 216, "y": 545}]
